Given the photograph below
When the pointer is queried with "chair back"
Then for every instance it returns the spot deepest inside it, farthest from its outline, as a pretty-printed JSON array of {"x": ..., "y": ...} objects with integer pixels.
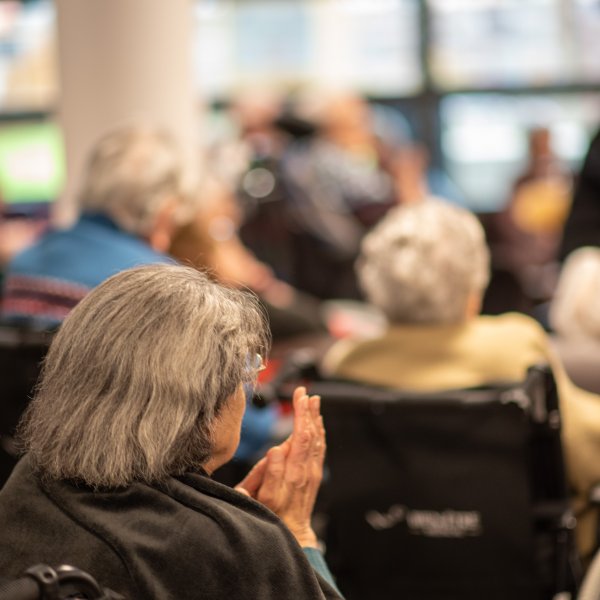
[
  {"x": 456, "y": 494},
  {"x": 22, "y": 351}
]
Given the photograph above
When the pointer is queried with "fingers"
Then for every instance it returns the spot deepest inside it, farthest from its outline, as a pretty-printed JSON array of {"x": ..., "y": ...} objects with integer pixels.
[
  {"x": 317, "y": 460},
  {"x": 253, "y": 480},
  {"x": 301, "y": 441},
  {"x": 307, "y": 441},
  {"x": 269, "y": 493},
  {"x": 299, "y": 403},
  {"x": 315, "y": 407},
  {"x": 320, "y": 445},
  {"x": 288, "y": 478}
]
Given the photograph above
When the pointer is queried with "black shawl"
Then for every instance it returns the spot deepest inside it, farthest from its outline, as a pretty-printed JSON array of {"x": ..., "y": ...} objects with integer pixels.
[{"x": 188, "y": 538}]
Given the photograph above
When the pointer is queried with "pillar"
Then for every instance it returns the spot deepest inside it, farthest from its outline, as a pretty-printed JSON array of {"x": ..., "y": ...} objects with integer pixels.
[{"x": 121, "y": 60}]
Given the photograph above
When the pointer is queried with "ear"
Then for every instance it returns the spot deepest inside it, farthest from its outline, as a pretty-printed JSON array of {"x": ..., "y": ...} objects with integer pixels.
[
  {"x": 473, "y": 307},
  {"x": 163, "y": 228}
]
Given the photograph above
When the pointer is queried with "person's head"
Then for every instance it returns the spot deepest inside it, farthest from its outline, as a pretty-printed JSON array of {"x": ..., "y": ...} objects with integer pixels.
[
  {"x": 135, "y": 177},
  {"x": 574, "y": 310},
  {"x": 540, "y": 143},
  {"x": 346, "y": 111},
  {"x": 339, "y": 115},
  {"x": 256, "y": 108},
  {"x": 425, "y": 263},
  {"x": 144, "y": 379}
]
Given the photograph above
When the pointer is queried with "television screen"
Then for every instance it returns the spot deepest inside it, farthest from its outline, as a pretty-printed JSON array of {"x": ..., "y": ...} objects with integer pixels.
[{"x": 32, "y": 166}]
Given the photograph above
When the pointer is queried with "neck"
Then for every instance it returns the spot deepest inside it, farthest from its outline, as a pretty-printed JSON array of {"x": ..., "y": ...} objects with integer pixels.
[{"x": 473, "y": 306}]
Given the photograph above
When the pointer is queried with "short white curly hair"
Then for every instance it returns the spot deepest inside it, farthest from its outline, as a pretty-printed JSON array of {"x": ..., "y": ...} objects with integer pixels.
[
  {"x": 423, "y": 261},
  {"x": 574, "y": 307}
]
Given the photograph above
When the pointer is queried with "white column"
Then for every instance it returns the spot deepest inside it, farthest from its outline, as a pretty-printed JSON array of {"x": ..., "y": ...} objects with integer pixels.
[{"x": 119, "y": 60}]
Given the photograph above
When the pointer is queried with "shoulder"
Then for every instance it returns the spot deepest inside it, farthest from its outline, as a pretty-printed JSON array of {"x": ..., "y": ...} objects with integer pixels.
[
  {"x": 98, "y": 233},
  {"x": 193, "y": 529},
  {"x": 510, "y": 324},
  {"x": 337, "y": 354},
  {"x": 37, "y": 530},
  {"x": 510, "y": 334},
  {"x": 86, "y": 254},
  {"x": 207, "y": 499}
]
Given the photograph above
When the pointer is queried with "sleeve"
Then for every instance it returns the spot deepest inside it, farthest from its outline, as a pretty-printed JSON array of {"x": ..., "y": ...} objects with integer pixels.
[
  {"x": 583, "y": 222},
  {"x": 317, "y": 561}
]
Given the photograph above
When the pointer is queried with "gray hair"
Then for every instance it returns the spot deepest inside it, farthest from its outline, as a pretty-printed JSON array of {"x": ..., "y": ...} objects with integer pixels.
[
  {"x": 574, "y": 310},
  {"x": 421, "y": 263},
  {"x": 137, "y": 374},
  {"x": 131, "y": 172}
]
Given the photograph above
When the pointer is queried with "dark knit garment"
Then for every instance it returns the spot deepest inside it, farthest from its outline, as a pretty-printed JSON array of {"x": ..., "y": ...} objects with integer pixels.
[{"x": 189, "y": 538}]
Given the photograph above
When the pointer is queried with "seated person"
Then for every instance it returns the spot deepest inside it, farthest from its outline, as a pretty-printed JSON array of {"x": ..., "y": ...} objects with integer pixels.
[
  {"x": 141, "y": 399},
  {"x": 426, "y": 266},
  {"x": 129, "y": 198},
  {"x": 208, "y": 239},
  {"x": 574, "y": 317}
]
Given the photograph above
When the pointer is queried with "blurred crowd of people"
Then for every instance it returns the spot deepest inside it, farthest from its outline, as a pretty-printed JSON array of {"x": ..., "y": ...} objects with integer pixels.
[
  {"x": 296, "y": 181},
  {"x": 288, "y": 191},
  {"x": 327, "y": 209}
]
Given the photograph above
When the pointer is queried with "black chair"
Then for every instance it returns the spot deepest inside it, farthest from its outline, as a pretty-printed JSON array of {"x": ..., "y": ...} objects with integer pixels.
[
  {"x": 590, "y": 585},
  {"x": 457, "y": 494},
  {"x": 22, "y": 350}
]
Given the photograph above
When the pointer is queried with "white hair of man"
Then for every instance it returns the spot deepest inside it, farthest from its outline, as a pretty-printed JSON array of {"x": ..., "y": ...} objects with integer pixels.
[
  {"x": 574, "y": 309},
  {"x": 424, "y": 262},
  {"x": 131, "y": 173},
  {"x": 138, "y": 373}
]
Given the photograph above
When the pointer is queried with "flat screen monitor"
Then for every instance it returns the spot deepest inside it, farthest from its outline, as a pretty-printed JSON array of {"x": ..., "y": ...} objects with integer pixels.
[{"x": 32, "y": 169}]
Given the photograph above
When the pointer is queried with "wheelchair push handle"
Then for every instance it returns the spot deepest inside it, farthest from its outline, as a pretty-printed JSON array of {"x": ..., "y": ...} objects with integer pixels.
[{"x": 42, "y": 582}]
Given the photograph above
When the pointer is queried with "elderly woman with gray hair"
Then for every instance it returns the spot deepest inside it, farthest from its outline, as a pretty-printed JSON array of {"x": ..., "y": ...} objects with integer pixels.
[
  {"x": 141, "y": 399},
  {"x": 426, "y": 266}
]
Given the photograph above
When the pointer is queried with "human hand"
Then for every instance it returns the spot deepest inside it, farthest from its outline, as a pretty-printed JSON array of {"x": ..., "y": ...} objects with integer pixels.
[{"x": 287, "y": 479}]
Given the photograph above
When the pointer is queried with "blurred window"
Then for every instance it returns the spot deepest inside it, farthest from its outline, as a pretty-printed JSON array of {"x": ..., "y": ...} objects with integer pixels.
[
  {"x": 484, "y": 138},
  {"x": 28, "y": 78},
  {"x": 370, "y": 46},
  {"x": 496, "y": 43}
]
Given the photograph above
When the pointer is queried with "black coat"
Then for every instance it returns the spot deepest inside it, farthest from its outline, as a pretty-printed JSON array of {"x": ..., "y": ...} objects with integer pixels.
[
  {"x": 188, "y": 538},
  {"x": 583, "y": 223}
]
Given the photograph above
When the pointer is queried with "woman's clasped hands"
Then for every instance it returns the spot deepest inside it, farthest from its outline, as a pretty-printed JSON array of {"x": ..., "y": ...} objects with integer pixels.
[{"x": 287, "y": 479}]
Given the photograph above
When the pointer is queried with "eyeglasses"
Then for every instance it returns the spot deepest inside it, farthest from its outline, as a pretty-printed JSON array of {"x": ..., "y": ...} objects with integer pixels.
[
  {"x": 255, "y": 364},
  {"x": 259, "y": 364}
]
